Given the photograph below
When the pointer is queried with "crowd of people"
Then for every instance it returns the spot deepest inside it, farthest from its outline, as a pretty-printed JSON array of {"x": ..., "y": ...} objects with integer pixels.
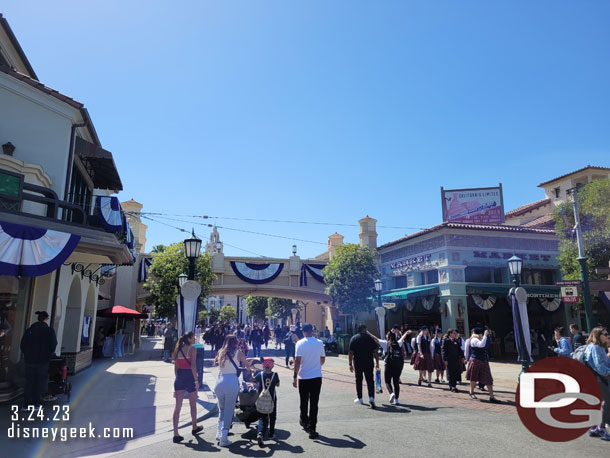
[{"x": 436, "y": 356}]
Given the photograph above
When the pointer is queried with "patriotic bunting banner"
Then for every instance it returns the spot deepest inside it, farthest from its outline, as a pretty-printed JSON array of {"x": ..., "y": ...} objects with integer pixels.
[
  {"x": 315, "y": 270},
  {"x": 143, "y": 272},
  {"x": 521, "y": 327},
  {"x": 109, "y": 213},
  {"x": 31, "y": 252},
  {"x": 256, "y": 273}
]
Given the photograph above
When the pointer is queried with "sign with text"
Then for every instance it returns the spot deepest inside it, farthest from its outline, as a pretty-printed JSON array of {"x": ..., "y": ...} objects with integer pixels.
[
  {"x": 389, "y": 305},
  {"x": 569, "y": 294},
  {"x": 474, "y": 205}
]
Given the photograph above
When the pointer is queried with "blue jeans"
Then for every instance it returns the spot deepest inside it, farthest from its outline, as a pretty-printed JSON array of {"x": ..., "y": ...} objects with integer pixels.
[
  {"x": 226, "y": 391},
  {"x": 256, "y": 348},
  {"x": 36, "y": 383},
  {"x": 266, "y": 424},
  {"x": 166, "y": 355}
]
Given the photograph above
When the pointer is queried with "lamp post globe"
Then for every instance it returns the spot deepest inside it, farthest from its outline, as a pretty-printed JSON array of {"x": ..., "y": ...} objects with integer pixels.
[
  {"x": 182, "y": 278},
  {"x": 294, "y": 250},
  {"x": 192, "y": 249},
  {"x": 514, "y": 267},
  {"x": 378, "y": 285}
]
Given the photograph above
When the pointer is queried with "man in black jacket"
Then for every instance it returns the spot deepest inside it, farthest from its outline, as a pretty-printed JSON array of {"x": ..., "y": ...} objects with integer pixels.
[
  {"x": 577, "y": 338},
  {"x": 38, "y": 345}
]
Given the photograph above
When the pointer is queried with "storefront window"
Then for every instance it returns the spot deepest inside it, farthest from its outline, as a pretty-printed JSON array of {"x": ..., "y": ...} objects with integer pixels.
[
  {"x": 432, "y": 277},
  {"x": 14, "y": 308},
  {"x": 478, "y": 274},
  {"x": 537, "y": 277},
  {"x": 400, "y": 282}
]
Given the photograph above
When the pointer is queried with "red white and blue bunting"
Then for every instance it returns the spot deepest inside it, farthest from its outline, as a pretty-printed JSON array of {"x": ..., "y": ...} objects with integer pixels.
[
  {"x": 550, "y": 304},
  {"x": 128, "y": 235},
  {"x": 31, "y": 252},
  {"x": 256, "y": 273},
  {"x": 143, "y": 272},
  {"x": 482, "y": 303},
  {"x": 109, "y": 213},
  {"x": 315, "y": 270}
]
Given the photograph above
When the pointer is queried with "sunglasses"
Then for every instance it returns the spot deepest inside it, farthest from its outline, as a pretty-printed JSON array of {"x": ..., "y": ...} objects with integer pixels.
[{"x": 604, "y": 334}]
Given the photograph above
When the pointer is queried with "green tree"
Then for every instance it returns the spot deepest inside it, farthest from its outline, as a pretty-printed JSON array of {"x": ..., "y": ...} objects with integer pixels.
[
  {"x": 350, "y": 277},
  {"x": 594, "y": 207},
  {"x": 162, "y": 284},
  {"x": 228, "y": 313},
  {"x": 279, "y": 308},
  {"x": 202, "y": 316},
  {"x": 256, "y": 307},
  {"x": 214, "y": 315}
]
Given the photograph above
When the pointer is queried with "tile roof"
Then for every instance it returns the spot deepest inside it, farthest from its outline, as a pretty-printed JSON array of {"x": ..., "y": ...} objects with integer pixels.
[
  {"x": 528, "y": 208},
  {"x": 479, "y": 227},
  {"x": 58, "y": 95},
  {"x": 542, "y": 222},
  {"x": 17, "y": 46},
  {"x": 572, "y": 173}
]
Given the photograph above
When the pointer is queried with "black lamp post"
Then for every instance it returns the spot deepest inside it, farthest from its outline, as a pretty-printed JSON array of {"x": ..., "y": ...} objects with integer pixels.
[
  {"x": 294, "y": 250},
  {"x": 192, "y": 248},
  {"x": 514, "y": 267}
]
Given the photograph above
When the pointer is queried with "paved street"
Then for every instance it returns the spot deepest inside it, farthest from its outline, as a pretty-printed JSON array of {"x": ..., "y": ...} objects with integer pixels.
[{"x": 137, "y": 392}]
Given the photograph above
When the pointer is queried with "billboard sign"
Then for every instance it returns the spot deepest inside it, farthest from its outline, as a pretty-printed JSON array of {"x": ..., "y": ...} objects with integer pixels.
[{"x": 474, "y": 205}]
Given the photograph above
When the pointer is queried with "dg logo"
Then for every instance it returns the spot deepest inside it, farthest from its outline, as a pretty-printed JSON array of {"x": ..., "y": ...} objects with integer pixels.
[{"x": 558, "y": 399}]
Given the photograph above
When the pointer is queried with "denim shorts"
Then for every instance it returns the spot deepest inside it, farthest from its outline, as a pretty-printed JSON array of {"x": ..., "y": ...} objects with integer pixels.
[{"x": 184, "y": 381}]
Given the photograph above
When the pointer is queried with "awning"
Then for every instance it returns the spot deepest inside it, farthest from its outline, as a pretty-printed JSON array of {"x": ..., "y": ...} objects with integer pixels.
[
  {"x": 100, "y": 165},
  {"x": 605, "y": 297},
  {"x": 31, "y": 251},
  {"x": 411, "y": 293},
  {"x": 500, "y": 289},
  {"x": 118, "y": 311}
]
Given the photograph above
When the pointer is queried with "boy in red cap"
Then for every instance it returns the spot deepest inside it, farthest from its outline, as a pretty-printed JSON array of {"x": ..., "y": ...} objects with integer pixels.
[{"x": 267, "y": 379}]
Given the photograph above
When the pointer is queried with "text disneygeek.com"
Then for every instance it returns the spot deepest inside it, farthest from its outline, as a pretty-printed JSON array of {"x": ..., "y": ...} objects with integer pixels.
[{"x": 63, "y": 433}]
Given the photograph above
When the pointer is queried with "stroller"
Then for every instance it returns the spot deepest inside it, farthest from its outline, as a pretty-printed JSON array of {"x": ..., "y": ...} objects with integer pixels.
[{"x": 58, "y": 378}]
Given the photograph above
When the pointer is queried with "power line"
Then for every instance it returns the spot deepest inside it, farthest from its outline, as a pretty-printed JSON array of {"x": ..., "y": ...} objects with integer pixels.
[{"x": 321, "y": 223}]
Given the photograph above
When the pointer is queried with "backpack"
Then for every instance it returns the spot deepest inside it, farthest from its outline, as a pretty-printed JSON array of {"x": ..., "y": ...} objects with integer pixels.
[
  {"x": 264, "y": 403},
  {"x": 579, "y": 354}
]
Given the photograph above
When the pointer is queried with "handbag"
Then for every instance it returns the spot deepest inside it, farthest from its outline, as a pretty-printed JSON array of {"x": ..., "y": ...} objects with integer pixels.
[{"x": 264, "y": 403}]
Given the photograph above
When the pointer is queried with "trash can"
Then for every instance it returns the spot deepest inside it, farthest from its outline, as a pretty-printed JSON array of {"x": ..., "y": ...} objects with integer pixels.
[
  {"x": 343, "y": 341},
  {"x": 200, "y": 362}
]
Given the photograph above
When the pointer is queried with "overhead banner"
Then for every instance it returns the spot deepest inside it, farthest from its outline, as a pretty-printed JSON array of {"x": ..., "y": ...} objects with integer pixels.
[{"x": 474, "y": 205}]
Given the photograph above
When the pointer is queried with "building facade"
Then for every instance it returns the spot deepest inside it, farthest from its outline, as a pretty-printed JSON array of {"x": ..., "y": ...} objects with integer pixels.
[{"x": 54, "y": 244}]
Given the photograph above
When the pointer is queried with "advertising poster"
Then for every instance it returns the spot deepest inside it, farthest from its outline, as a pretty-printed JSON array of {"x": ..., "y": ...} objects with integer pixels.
[{"x": 474, "y": 205}]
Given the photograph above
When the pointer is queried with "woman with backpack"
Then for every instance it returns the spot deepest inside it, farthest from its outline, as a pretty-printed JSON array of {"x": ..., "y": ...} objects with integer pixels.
[
  {"x": 394, "y": 360},
  {"x": 267, "y": 381},
  {"x": 227, "y": 385},
  {"x": 185, "y": 369},
  {"x": 597, "y": 359}
]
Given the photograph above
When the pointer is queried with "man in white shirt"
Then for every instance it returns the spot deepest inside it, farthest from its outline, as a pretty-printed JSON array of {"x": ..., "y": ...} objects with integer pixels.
[{"x": 308, "y": 363}]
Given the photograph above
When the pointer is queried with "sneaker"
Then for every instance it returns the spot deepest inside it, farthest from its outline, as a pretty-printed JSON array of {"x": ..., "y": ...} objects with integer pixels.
[
  {"x": 313, "y": 434},
  {"x": 304, "y": 425},
  {"x": 259, "y": 439},
  {"x": 358, "y": 401},
  {"x": 595, "y": 431},
  {"x": 49, "y": 398},
  {"x": 395, "y": 402},
  {"x": 604, "y": 435},
  {"x": 392, "y": 397},
  {"x": 372, "y": 402},
  {"x": 224, "y": 442}
]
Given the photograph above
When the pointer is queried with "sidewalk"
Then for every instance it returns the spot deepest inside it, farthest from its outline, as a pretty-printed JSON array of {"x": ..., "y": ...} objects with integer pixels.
[{"x": 132, "y": 392}]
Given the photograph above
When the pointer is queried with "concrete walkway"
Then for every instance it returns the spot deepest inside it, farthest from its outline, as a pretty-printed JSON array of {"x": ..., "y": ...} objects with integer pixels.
[{"x": 132, "y": 392}]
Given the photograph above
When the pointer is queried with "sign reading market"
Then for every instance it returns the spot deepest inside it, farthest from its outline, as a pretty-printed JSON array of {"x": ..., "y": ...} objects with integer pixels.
[
  {"x": 474, "y": 205},
  {"x": 411, "y": 261}
]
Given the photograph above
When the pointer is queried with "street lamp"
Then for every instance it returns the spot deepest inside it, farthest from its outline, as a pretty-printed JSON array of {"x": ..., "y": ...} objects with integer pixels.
[
  {"x": 192, "y": 248},
  {"x": 514, "y": 267},
  {"x": 518, "y": 294},
  {"x": 219, "y": 247},
  {"x": 294, "y": 250},
  {"x": 380, "y": 312},
  {"x": 182, "y": 278}
]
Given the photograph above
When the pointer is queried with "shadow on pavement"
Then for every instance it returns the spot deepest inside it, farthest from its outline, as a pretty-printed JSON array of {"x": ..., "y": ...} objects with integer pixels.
[
  {"x": 340, "y": 443},
  {"x": 197, "y": 444}
]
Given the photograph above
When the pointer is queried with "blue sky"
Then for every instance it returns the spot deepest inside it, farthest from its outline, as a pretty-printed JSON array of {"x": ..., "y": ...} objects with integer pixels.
[{"x": 326, "y": 111}]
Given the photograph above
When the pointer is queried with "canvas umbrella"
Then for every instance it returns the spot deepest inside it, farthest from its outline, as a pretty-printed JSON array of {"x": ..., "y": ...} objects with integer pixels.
[{"x": 118, "y": 311}]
